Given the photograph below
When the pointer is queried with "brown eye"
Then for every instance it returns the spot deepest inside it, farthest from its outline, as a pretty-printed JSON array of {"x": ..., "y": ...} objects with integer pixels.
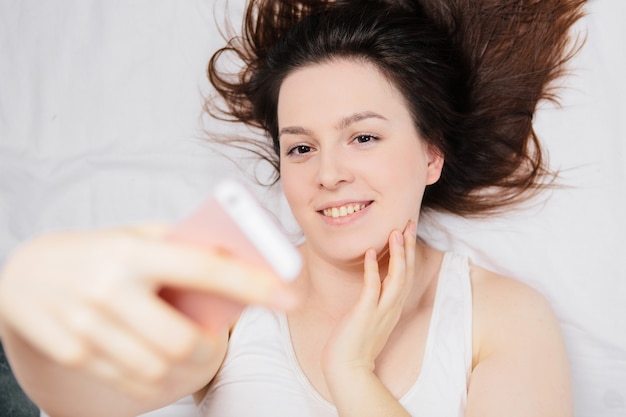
[
  {"x": 299, "y": 150},
  {"x": 364, "y": 139}
]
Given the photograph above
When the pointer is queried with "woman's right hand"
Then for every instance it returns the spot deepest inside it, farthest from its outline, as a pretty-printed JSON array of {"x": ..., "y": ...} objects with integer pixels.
[{"x": 89, "y": 302}]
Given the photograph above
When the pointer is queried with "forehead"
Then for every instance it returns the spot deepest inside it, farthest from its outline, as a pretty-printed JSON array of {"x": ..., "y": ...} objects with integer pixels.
[{"x": 337, "y": 87}]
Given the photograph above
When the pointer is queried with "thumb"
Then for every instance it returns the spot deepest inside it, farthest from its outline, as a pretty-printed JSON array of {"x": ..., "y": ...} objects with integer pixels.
[{"x": 167, "y": 264}]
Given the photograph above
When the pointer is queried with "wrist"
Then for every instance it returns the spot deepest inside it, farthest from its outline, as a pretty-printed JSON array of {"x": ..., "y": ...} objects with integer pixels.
[
  {"x": 339, "y": 376},
  {"x": 357, "y": 391}
]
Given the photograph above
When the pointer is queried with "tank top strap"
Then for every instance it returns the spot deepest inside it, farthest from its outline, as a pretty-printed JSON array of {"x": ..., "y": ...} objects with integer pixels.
[{"x": 441, "y": 388}]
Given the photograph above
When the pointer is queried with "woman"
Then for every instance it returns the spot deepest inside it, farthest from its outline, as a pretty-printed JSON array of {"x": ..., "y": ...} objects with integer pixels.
[{"x": 376, "y": 113}]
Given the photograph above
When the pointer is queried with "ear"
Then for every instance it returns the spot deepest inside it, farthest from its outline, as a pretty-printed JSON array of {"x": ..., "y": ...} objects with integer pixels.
[{"x": 435, "y": 164}]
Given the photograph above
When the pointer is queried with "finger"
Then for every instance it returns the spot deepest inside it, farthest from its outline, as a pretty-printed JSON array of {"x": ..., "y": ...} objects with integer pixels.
[
  {"x": 45, "y": 334},
  {"x": 104, "y": 370},
  {"x": 153, "y": 320},
  {"x": 370, "y": 294},
  {"x": 394, "y": 283},
  {"x": 184, "y": 266},
  {"x": 410, "y": 242},
  {"x": 23, "y": 310},
  {"x": 110, "y": 339},
  {"x": 153, "y": 229}
]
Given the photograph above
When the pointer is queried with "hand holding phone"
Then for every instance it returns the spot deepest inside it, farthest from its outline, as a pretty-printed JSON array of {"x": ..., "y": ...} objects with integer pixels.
[{"x": 234, "y": 223}]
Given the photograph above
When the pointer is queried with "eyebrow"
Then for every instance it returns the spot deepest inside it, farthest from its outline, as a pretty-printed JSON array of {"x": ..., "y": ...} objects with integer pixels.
[
  {"x": 294, "y": 130},
  {"x": 357, "y": 117},
  {"x": 343, "y": 123}
]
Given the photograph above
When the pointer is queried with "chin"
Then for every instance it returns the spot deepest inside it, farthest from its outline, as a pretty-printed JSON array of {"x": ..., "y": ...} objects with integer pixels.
[
  {"x": 350, "y": 246},
  {"x": 355, "y": 253}
]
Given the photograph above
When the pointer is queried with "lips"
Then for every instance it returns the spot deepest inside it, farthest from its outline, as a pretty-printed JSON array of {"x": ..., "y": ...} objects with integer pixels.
[{"x": 344, "y": 209}]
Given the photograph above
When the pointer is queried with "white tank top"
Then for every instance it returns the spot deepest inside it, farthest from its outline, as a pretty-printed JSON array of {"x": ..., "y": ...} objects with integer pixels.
[{"x": 261, "y": 376}]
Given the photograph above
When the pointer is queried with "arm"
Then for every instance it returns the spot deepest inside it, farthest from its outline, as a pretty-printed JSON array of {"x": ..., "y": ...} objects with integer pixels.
[
  {"x": 348, "y": 360},
  {"x": 66, "y": 390},
  {"x": 520, "y": 362},
  {"x": 361, "y": 393},
  {"x": 87, "y": 334}
]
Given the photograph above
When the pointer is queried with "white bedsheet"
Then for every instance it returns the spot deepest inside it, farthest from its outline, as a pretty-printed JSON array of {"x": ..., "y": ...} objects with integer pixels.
[{"x": 100, "y": 110}]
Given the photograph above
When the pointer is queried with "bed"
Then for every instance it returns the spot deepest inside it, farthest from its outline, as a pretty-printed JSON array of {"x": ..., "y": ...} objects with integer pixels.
[{"x": 101, "y": 124}]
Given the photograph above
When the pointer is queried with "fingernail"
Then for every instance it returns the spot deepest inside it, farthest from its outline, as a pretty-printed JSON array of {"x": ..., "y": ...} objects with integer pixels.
[
  {"x": 413, "y": 228},
  {"x": 397, "y": 236}
]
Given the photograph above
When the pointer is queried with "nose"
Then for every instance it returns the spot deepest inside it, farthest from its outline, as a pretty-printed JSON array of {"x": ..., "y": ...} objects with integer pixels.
[{"x": 333, "y": 169}]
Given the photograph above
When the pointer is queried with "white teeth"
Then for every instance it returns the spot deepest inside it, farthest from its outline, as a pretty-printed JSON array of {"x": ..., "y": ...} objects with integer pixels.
[{"x": 343, "y": 210}]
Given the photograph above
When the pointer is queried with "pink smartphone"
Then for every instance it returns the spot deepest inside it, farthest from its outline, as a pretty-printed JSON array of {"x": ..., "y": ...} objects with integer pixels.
[{"x": 234, "y": 222}]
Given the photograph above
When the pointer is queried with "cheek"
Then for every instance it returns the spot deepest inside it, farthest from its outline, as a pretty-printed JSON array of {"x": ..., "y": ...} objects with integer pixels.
[
  {"x": 405, "y": 166},
  {"x": 406, "y": 178},
  {"x": 295, "y": 185}
]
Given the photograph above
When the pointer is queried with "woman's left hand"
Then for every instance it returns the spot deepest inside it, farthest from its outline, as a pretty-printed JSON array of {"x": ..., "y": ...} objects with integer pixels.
[{"x": 363, "y": 333}]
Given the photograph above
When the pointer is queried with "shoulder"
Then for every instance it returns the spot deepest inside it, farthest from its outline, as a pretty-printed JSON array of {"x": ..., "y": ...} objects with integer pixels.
[
  {"x": 505, "y": 309},
  {"x": 520, "y": 364},
  {"x": 494, "y": 292}
]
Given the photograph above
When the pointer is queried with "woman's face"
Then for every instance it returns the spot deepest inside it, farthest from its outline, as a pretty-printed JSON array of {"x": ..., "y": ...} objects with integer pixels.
[{"x": 353, "y": 166}]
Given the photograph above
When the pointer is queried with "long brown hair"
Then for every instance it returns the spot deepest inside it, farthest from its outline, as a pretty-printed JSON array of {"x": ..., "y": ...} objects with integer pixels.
[{"x": 471, "y": 71}]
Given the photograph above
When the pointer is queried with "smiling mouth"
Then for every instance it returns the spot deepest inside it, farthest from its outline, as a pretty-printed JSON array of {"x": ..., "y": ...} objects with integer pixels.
[{"x": 343, "y": 211}]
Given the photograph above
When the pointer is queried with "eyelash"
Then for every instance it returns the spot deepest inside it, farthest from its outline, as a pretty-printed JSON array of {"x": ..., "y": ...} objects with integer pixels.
[
  {"x": 371, "y": 138},
  {"x": 301, "y": 149},
  {"x": 292, "y": 150}
]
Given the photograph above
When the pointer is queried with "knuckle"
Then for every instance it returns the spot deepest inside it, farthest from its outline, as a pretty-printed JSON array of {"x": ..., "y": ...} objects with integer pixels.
[
  {"x": 156, "y": 374},
  {"x": 182, "y": 349},
  {"x": 108, "y": 279},
  {"x": 82, "y": 321},
  {"x": 75, "y": 357}
]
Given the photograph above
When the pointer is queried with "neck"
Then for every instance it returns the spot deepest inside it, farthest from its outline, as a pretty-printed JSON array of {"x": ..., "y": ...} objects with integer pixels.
[{"x": 331, "y": 289}]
